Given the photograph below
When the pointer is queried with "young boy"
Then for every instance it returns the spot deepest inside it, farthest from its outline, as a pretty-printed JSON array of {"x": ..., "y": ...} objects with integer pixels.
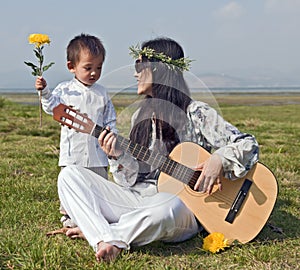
[{"x": 85, "y": 57}]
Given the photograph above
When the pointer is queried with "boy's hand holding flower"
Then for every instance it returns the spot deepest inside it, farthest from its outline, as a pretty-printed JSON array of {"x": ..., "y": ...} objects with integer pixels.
[{"x": 40, "y": 83}]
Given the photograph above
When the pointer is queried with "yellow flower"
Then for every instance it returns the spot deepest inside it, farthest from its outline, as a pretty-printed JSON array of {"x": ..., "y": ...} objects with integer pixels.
[
  {"x": 38, "y": 39},
  {"x": 37, "y": 70},
  {"x": 215, "y": 242}
]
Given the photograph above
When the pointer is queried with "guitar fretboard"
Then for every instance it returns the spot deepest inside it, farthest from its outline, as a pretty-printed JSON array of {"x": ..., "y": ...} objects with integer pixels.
[{"x": 155, "y": 159}]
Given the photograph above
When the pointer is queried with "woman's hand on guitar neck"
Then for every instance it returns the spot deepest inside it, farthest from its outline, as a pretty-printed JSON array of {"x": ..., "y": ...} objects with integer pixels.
[
  {"x": 108, "y": 141},
  {"x": 211, "y": 173}
]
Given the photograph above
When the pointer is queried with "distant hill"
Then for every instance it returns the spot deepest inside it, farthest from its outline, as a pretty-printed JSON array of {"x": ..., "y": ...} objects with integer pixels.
[{"x": 225, "y": 81}]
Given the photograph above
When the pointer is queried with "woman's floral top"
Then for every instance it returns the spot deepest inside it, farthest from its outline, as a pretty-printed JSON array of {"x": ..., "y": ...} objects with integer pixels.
[{"x": 238, "y": 151}]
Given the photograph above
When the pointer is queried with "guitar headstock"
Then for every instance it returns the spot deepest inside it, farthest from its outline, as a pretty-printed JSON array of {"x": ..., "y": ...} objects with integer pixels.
[{"x": 69, "y": 117}]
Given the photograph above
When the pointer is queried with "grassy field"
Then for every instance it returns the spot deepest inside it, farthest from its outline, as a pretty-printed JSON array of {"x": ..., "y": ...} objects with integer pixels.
[{"x": 29, "y": 202}]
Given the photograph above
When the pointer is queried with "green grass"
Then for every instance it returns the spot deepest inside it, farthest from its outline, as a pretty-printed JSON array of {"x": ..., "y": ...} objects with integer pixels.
[{"x": 29, "y": 202}]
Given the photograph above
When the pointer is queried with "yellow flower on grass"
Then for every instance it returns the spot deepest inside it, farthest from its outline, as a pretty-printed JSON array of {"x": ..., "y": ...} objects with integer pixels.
[
  {"x": 39, "y": 39},
  {"x": 215, "y": 242}
]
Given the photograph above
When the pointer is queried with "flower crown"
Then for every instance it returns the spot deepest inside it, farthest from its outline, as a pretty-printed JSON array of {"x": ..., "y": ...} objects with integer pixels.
[{"x": 183, "y": 63}]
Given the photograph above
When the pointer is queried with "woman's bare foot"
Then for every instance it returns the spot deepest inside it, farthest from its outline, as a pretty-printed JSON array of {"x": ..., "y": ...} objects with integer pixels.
[
  {"x": 59, "y": 231},
  {"x": 107, "y": 252},
  {"x": 75, "y": 233}
]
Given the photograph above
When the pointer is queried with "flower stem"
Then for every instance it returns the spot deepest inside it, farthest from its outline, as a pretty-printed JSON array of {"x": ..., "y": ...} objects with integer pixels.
[
  {"x": 41, "y": 109},
  {"x": 41, "y": 74}
]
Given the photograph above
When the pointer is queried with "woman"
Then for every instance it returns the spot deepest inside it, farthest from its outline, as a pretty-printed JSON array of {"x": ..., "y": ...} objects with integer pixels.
[{"x": 113, "y": 216}]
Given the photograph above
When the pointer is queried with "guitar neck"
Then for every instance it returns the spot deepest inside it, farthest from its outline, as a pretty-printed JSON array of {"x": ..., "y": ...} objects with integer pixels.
[{"x": 154, "y": 159}]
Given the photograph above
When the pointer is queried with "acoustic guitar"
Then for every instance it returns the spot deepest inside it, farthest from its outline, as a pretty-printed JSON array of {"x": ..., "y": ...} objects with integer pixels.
[{"x": 239, "y": 211}]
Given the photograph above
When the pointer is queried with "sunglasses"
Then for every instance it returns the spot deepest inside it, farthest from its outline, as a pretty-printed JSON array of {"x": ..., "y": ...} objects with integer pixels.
[{"x": 140, "y": 65}]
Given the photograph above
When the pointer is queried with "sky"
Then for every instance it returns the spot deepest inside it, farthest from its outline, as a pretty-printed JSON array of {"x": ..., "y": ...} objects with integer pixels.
[{"x": 245, "y": 42}]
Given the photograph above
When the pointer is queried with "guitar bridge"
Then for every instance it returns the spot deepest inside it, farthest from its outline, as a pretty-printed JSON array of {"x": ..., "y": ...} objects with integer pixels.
[{"x": 238, "y": 201}]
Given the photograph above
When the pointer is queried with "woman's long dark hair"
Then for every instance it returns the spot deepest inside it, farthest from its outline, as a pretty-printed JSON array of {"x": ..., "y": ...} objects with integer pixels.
[{"x": 169, "y": 101}]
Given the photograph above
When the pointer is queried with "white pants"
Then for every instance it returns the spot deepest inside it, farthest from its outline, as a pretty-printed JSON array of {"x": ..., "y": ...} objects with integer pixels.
[
  {"x": 105, "y": 211},
  {"x": 98, "y": 170}
]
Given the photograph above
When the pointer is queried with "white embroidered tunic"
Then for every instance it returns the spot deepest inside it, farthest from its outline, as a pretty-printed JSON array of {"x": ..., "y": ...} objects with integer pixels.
[{"x": 80, "y": 148}]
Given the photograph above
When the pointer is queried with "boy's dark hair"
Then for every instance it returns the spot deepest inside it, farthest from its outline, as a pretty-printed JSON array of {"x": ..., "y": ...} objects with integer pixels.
[{"x": 84, "y": 42}]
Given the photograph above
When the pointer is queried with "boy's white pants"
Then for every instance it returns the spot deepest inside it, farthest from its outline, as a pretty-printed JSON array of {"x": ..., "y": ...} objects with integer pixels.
[{"x": 105, "y": 211}]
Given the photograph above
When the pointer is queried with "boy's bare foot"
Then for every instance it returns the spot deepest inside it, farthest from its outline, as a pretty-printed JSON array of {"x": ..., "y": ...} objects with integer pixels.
[
  {"x": 107, "y": 252},
  {"x": 74, "y": 233}
]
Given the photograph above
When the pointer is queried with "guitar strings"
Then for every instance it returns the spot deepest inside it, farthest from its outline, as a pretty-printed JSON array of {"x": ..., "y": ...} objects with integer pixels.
[
  {"x": 155, "y": 159},
  {"x": 179, "y": 171}
]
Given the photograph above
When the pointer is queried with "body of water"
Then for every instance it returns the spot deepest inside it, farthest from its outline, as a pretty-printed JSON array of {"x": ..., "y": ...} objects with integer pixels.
[{"x": 223, "y": 90}]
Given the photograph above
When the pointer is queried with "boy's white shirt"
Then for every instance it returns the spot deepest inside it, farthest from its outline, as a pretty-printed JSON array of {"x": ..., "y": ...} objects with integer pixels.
[{"x": 79, "y": 148}]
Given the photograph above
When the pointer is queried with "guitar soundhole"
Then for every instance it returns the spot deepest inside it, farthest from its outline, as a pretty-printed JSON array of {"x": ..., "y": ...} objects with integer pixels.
[{"x": 194, "y": 179}]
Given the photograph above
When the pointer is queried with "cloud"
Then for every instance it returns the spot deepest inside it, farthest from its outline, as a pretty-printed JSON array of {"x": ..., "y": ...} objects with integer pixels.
[{"x": 231, "y": 11}]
